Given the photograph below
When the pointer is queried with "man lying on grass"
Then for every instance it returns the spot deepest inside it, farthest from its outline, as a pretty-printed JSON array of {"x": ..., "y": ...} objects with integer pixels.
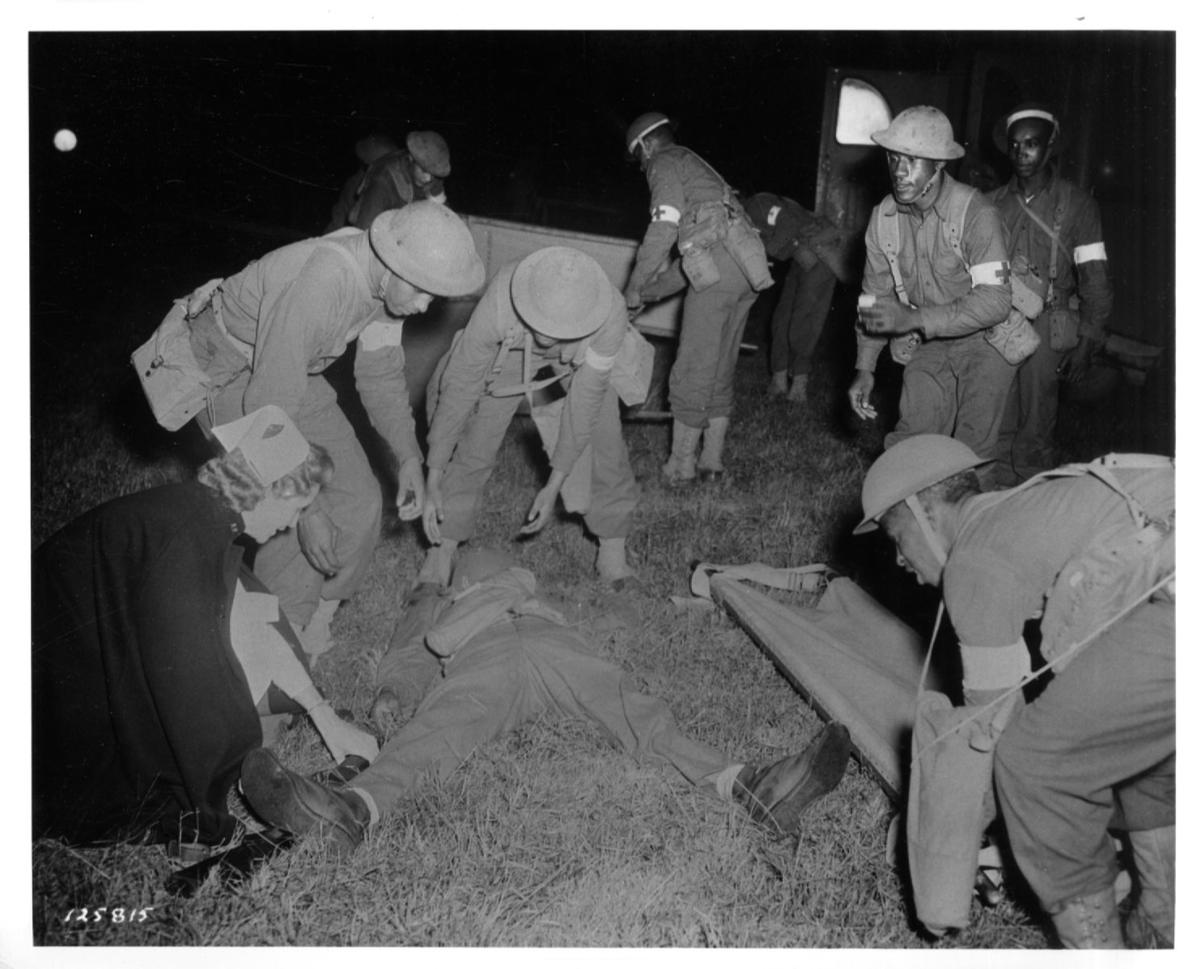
[{"x": 505, "y": 657}]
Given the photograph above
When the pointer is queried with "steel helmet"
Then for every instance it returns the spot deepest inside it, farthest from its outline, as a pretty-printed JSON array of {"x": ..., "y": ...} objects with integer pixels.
[
  {"x": 562, "y": 293},
  {"x": 430, "y": 151},
  {"x": 921, "y": 131},
  {"x": 373, "y": 147},
  {"x": 1028, "y": 109},
  {"x": 911, "y": 465},
  {"x": 427, "y": 244},
  {"x": 642, "y": 126}
]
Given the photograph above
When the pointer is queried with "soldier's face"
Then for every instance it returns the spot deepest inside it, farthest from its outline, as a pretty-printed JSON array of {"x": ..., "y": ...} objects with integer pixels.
[
  {"x": 1028, "y": 144},
  {"x": 403, "y": 299},
  {"x": 910, "y": 176},
  {"x": 421, "y": 175},
  {"x": 913, "y": 550}
]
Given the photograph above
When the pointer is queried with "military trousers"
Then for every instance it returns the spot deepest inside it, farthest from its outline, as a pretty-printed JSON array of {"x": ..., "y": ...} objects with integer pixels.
[
  {"x": 1026, "y": 441},
  {"x": 1095, "y": 750},
  {"x": 353, "y": 500},
  {"x": 510, "y": 673},
  {"x": 958, "y": 388},
  {"x": 798, "y": 318},
  {"x": 613, "y": 490},
  {"x": 712, "y": 326}
]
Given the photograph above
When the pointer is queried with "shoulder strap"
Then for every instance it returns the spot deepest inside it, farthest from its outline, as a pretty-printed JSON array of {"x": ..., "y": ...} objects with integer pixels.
[
  {"x": 346, "y": 255},
  {"x": 888, "y": 234}
]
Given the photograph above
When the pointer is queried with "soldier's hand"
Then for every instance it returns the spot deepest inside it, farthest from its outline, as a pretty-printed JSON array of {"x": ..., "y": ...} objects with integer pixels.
[
  {"x": 342, "y": 739},
  {"x": 318, "y": 541},
  {"x": 1077, "y": 361},
  {"x": 632, "y": 298},
  {"x": 434, "y": 507},
  {"x": 411, "y": 490},
  {"x": 859, "y": 394},
  {"x": 541, "y": 510},
  {"x": 888, "y": 317}
]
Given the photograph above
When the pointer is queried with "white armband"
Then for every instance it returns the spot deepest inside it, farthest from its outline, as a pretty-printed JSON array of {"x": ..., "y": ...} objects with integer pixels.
[
  {"x": 990, "y": 273},
  {"x": 380, "y": 334},
  {"x": 1093, "y": 251},
  {"x": 994, "y": 667},
  {"x": 774, "y": 212},
  {"x": 600, "y": 363},
  {"x": 665, "y": 213}
]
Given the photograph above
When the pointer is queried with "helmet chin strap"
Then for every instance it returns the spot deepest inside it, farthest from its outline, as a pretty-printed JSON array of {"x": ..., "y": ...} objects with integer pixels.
[
  {"x": 386, "y": 281},
  {"x": 924, "y": 523},
  {"x": 931, "y": 183}
]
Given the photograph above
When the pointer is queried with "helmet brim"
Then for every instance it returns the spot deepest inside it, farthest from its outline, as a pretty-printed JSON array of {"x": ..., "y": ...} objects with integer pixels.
[
  {"x": 954, "y": 150},
  {"x": 557, "y": 329}
]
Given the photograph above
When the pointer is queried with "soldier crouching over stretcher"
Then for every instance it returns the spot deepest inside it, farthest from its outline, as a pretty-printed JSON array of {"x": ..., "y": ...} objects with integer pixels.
[
  {"x": 1089, "y": 549},
  {"x": 504, "y": 657}
]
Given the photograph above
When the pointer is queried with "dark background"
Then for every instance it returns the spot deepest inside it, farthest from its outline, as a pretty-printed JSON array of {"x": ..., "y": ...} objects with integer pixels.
[{"x": 200, "y": 151}]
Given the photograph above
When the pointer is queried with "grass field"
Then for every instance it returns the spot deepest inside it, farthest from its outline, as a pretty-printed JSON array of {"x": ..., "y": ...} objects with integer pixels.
[{"x": 548, "y": 837}]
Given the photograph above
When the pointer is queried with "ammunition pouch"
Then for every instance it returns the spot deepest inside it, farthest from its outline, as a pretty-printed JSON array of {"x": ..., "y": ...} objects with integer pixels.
[
  {"x": 746, "y": 249},
  {"x": 903, "y": 346},
  {"x": 703, "y": 227},
  {"x": 1014, "y": 338},
  {"x": 1064, "y": 326}
]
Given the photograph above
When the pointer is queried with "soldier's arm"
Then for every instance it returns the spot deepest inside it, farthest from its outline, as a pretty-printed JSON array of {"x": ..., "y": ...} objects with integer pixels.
[
  {"x": 665, "y": 213},
  {"x": 988, "y": 301},
  {"x": 587, "y": 388},
  {"x": 1092, "y": 270},
  {"x": 464, "y": 377},
  {"x": 381, "y": 378},
  {"x": 878, "y": 282}
]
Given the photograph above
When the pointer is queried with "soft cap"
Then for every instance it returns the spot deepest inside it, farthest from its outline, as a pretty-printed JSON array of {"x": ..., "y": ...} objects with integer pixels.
[{"x": 269, "y": 441}]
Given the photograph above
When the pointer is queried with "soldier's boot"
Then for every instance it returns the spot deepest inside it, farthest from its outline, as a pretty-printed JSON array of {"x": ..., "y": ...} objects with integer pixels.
[
  {"x": 1152, "y": 922},
  {"x": 710, "y": 462},
  {"x": 1089, "y": 922},
  {"x": 779, "y": 793},
  {"x": 797, "y": 394},
  {"x": 679, "y": 469},
  {"x": 778, "y": 384},
  {"x": 438, "y": 564},
  {"x": 300, "y": 805}
]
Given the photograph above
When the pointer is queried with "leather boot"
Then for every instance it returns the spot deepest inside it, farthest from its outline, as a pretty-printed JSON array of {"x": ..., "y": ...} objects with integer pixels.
[
  {"x": 299, "y": 805},
  {"x": 778, "y": 384},
  {"x": 1089, "y": 922},
  {"x": 710, "y": 462},
  {"x": 779, "y": 793},
  {"x": 1152, "y": 922},
  {"x": 797, "y": 394},
  {"x": 679, "y": 469}
]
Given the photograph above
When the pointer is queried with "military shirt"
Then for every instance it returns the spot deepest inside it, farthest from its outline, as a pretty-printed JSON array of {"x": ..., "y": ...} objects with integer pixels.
[
  {"x": 1081, "y": 266},
  {"x": 678, "y": 179},
  {"x": 389, "y": 183},
  {"x": 954, "y": 298},
  {"x": 299, "y": 307},
  {"x": 495, "y": 322},
  {"x": 1005, "y": 557}
]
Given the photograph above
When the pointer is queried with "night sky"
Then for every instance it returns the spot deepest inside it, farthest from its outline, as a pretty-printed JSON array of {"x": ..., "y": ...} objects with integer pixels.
[{"x": 198, "y": 151}]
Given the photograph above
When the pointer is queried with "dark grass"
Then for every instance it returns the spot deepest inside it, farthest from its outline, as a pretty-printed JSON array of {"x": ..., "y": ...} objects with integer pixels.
[{"x": 548, "y": 837}]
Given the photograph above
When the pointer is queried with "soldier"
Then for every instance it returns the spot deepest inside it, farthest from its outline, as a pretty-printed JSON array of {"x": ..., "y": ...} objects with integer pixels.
[
  {"x": 368, "y": 151},
  {"x": 401, "y": 177},
  {"x": 815, "y": 251},
  {"x": 936, "y": 281},
  {"x": 265, "y": 335},
  {"x": 556, "y": 308},
  {"x": 1089, "y": 551},
  {"x": 508, "y": 657},
  {"x": 722, "y": 265},
  {"x": 1053, "y": 235}
]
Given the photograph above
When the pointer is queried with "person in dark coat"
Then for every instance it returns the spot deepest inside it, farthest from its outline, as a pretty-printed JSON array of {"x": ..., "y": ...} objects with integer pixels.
[{"x": 154, "y": 649}]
